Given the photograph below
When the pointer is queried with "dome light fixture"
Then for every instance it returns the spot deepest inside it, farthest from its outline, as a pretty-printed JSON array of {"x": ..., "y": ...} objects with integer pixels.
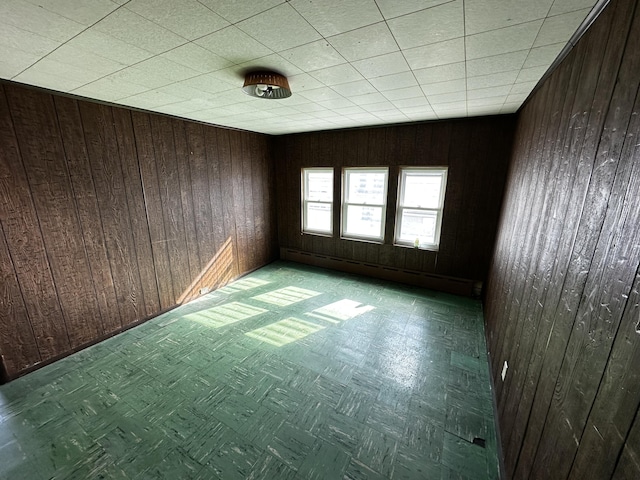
[{"x": 269, "y": 85}]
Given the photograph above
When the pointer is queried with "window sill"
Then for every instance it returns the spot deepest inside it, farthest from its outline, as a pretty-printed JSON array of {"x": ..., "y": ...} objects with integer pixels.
[{"x": 428, "y": 248}]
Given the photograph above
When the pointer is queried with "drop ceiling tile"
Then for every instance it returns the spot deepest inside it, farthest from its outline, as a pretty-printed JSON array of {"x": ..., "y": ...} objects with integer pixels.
[
  {"x": 565, "y": 6},
  {"x": 451, "y": 113},
  {"x": 303, "y": 81},
  {"x": 338, "y": 17},
  {"x": 185, "y": 93},
  {"x": 163, "y": 67},
  {"x": 447, "y": 98},
  {"x": 234, "y": 45},
  {"x": 77, "y": 75},
  {"x": 543, "y": 55},
  {"x": 309, "y": 107},
  {"x": 432, "y": 25},
  {"x": 15, "y": 61},
  {"x": 86, "y": 12},
  {"x": 418, "y": 110},
  {"x": 349, "y": 110},
  {"x": 279, "y": 28},
  {"x": 283, "y": 111},
  {"x": 488, "y": 92},
  {"x": 560, "y": 28},
  {"x": 135, "y": 30},
  {"x": 313, "y": 56},
  {"x": 109, "y": 88},
  {"x": 484, "y": 110},
  {"x": 197, "y": 58},
  {"x": 379, "y": 107},
  {"x": 443, "y": 53},
  {"x": 458, "y": 85},
  {"x": 392, "y": 115},
  {"x": 393, "y": 82},
  {"x": 510, "y": 107},
  {"x": 402, "y": 93},
  {"x": 32, "y": 18},
  {"x": 109, "y": 47},
  {"x": 519, "y": 97},
  {"x": 209, "y": 83},
  {"x": 450, "y": 107},
  {"x": 383, "y": 65},
  {"x": 149, "y": 99},
  {"x": 15, "y": 39},
  {"x": 524, "y": 87},
  {"x": 365, "y": 42},
  {"x": 407, "y": 104},
  {"x": 441, "y": 73},
  {"x": 337, "y": 75},
  {"x": 394, "y": 8},
  {"x": 235, "y": 11},
  {"x": 485, "y": 15},
  {"x": 497, "y": 63},
  {"x": 320, "y": 94},
  {"x": 69, "y": 55},
  {"x": 494, "y": 80},
  {"x": 140, "y": 77},
  {"x": 335, "y": 103},
  {"x": 532, "y": 74},
  {"x": 361, "y": 87},
  {"x": 187, "y": 18},
  {"x": 483, "y": 102},
  {"x": 41, "y": 77},
  {"x": 273, "y": 62},
  {"x": 368, "y": 99},
  {"x": 503, "y": 40}
]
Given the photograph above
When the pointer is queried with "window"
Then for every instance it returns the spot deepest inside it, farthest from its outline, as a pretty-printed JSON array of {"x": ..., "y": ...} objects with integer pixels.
[
  {"x": 420, "y": 202},
  {"x": 364, "y": 198},
  {"x": 317, "y": 200}
]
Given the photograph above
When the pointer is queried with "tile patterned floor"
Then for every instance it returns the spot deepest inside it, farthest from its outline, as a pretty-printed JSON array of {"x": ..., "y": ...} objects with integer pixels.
[{"x": 289, "y": 373}]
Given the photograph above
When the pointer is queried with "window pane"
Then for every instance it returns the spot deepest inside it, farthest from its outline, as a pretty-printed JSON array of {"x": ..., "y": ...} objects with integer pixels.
[
  {"x": 422, "y": 190},
  {"x": 318, "y": 217},
  {"x": 366, "y": 187},
  {"x": 320, "y": 186},
  {"x": 364, "y": 221},
  {"x": 418, "y": 224}
]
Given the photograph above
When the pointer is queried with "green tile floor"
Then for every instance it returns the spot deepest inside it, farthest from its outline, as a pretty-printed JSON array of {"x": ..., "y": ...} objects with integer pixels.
[{"x": 291, "y": 372}]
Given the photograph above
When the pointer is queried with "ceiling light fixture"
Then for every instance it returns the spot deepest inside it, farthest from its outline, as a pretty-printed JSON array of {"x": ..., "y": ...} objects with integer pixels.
[{"x": 269, "y": 85}]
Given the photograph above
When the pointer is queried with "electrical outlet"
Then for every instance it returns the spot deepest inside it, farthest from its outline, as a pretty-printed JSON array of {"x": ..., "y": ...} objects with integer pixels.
[
  {"x": 204, "y": 290},
  {"x": 504, "y": 370}
]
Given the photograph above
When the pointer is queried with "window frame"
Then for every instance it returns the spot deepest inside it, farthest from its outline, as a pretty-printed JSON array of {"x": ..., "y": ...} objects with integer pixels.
[
  {"x": 305, "y": 200},
  {"x": 345, "y": 203},
  {"x": 443, "y": 172}
]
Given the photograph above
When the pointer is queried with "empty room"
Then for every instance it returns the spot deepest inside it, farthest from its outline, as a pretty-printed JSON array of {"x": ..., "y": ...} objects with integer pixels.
[{"x": 320, "y": 240}]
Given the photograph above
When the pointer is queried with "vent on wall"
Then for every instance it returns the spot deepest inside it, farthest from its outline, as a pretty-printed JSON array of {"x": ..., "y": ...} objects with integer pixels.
[{"x": 458, "y": 286}]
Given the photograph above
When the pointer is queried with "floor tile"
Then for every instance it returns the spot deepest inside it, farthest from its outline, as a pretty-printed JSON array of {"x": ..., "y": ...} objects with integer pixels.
[{"x": 361, "y": 379}]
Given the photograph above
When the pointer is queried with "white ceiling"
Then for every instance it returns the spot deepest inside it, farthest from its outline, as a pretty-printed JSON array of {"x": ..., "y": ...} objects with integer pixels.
[{"x": 350, "y": 63}]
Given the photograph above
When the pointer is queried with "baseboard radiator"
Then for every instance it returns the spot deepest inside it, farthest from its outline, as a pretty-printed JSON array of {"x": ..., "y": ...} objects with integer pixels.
[{"x": 441, "y": 283}]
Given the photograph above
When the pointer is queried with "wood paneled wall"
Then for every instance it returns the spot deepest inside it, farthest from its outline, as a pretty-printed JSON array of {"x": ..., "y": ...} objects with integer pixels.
[
  {"x": 475, "y": 150},
  {"x": 110, "y": 216},
  {"x": 563, "y": 294}
]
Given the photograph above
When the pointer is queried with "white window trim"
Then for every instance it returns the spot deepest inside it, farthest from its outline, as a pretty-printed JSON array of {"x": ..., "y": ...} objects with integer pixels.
[
  {"x": 345, "y": 204},
  {"x": 443, "y": 171},
  {"x": 305, "y": 200}
]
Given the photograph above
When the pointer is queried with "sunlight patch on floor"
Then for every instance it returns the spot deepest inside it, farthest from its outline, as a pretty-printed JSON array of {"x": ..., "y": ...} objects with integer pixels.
[
  {"x": 286, "y": 296},
  {"x": 285, "y": 331},
  {"x": 340, "y": 311},
  {"x": 226, "y": 314}
]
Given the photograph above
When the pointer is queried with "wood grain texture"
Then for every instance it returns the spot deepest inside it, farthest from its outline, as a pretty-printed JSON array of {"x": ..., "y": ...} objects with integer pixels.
[
  {"x": 476, "y": 152},
  {"x": 108, "y": 217},
  {"x": 561, "y": 300}
]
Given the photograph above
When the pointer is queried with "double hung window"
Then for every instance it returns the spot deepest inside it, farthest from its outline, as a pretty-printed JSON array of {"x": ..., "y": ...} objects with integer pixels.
[
  {"x": 317, "y": 200},
  {"x": 364, "y": 203},
  {"x": 420, "y": 203}
]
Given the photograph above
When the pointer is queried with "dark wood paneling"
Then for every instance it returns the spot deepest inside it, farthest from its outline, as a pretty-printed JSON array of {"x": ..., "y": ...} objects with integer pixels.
[
  {"x": 476, "y": 151},
  {"x": 26, "y": 246},
  {"x": 562, "y": 297},
  {"x": 108, "y": 217}
]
